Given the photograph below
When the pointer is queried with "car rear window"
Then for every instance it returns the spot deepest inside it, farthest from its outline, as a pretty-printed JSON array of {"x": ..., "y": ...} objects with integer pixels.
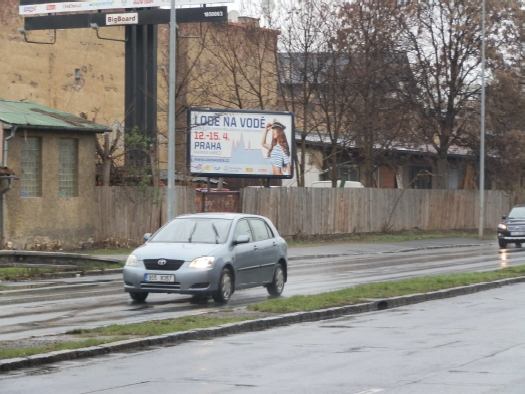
[{"x": 194, "y": 230}]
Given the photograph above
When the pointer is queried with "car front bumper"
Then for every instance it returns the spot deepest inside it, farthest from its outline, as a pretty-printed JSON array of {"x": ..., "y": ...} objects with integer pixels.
[
  {"x": 510, "y": 238},
  {"x": 187, "y": 281}
]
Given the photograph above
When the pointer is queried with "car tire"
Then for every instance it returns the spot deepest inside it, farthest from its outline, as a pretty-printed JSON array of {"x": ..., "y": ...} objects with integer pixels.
[
  {"x": 502, "y": 243},
  {"x": 518, "y": 244},
  {"x": 225, "y": 290},
  {"x": 138, "y": 297},
  {"x": 277, "y": 286}
]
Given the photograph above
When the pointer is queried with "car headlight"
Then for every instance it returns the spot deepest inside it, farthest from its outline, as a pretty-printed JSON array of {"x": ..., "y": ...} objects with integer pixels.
[
  {"x": 502, "y": 226},
  {"x": 202, "y": 262},
  {"x": 132, "y": 261}
]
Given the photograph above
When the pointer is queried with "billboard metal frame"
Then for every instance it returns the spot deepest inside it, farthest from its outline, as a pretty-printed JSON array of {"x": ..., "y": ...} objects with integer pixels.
[
  {"x": 145, "y": 17},
  {"x": 33, "y": 7},
  {"x": 140, "y": 106},
  {"x": 219, "y": 112}
]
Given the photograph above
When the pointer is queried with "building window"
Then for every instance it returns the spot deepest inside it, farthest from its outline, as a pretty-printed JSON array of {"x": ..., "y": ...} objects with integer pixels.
[
  {"x": 421, "y": 177},
  {"x": 31, "y": 168},
  {"x": 68, "y": 168},
  {"x": 351, "y": 173}
]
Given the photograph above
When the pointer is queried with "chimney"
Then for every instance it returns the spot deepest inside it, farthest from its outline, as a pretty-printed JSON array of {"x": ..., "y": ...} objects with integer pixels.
[{"x": 249, "y": 21}]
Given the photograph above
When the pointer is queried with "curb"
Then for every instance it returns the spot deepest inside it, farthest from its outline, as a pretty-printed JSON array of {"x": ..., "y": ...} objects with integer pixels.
[
  {"x": 249, "y": 326},
  {"x": 328, "y": 255}
]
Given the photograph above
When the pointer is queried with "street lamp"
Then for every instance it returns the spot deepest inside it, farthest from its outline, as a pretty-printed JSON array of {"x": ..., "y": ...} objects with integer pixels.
[{"x": 482, "y": 132}]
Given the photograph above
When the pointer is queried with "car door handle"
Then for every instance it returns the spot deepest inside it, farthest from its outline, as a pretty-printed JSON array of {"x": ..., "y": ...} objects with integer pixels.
[
  {"x": 255, "y": 247},
  {"x": 274, "y": 243}
]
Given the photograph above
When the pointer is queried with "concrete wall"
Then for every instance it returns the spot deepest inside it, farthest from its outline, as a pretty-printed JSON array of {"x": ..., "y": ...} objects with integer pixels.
[{"x": 51, "y": 219}]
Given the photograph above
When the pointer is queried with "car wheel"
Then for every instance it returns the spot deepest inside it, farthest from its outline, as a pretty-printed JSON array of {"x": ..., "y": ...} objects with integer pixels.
[
  {"x": 138, "y": 297},
  {"x": 518, "y": 244},
  {"x": 502, "y": 243},
  {"x": 225, "y": 290},
  {"x": 277, "y": 286}
]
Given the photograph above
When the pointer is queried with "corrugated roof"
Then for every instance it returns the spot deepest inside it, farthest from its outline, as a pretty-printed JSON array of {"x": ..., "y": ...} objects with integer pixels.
[{"x": 29, "y": 114}]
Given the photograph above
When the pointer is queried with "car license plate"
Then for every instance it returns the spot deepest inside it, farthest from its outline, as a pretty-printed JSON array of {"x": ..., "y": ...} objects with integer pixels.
[
  {"x": 159, "y": 278},
  {"x": 514, "y": 233}
]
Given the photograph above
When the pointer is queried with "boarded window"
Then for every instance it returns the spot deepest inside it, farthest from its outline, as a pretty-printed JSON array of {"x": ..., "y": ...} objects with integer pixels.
[
  {"x": 31, "y": 168},
  {"x": 68, "y": 168}
]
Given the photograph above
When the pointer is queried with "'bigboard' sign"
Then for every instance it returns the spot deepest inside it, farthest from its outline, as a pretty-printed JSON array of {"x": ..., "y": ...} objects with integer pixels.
[{"x": 32, "y": 7}]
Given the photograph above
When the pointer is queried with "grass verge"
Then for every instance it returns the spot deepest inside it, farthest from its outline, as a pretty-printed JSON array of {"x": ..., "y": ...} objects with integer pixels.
[
  {"x": 79, "y": 338},
  {"x": 369, "y": 291},
  {"x": 398, "y": 236},
  {"x": 303, "y": 240},
  {"x": 31, "y": 351},
  {"x": 33, "y": 273}
]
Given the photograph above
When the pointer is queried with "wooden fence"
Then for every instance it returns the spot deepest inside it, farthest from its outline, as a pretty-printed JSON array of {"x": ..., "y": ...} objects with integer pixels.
[
  {"x": 126, "y": 213},
  {"x": 320, "y": 211}
]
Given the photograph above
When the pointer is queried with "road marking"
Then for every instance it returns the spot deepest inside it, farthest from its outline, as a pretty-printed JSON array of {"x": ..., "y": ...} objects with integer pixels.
[{"x": 371, "y": 391}]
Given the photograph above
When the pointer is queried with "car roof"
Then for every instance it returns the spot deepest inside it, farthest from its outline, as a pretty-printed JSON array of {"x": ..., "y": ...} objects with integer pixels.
[{"x": 218, "y": 215}]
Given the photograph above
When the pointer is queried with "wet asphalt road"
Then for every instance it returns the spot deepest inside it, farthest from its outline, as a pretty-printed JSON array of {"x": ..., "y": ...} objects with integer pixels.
[
  {"x": 472, "y": 344},
  {"x": 96, "y": 301}
]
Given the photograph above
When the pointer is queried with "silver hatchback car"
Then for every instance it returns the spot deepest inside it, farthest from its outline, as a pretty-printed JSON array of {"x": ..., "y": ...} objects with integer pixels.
[{"x": 208, "y": 254}]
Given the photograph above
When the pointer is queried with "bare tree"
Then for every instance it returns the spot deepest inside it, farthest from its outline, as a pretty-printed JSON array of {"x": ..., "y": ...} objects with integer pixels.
[
  {"x": 370, "y": 44},
  {"x": 300, "y": 64},
  {"x": 443, "y": 40},
  {"x": 505, "y": 137},
  {"x": 241, "y": 64},
  {"x": 106, "y": 154},
  {"x": 191, "y": 40}
]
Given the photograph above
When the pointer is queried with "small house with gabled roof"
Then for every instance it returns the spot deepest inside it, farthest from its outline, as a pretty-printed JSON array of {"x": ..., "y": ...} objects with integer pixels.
[{"x": 47, "y": 176}]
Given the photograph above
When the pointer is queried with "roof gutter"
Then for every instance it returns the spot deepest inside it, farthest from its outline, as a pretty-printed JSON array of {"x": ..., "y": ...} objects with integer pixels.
[
  {"x": 63, "y": 129},
  {"x": 9, "y": 185}
]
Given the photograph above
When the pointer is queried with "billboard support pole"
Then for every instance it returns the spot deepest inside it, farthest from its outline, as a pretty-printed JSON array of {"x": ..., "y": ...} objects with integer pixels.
[{"x": 171, "y": 114}]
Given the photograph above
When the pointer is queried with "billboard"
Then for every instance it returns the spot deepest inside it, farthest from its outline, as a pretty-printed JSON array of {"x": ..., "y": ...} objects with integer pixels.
[
  {"x": 32, "y": 7},
  {"x": 240, "y": 143}
]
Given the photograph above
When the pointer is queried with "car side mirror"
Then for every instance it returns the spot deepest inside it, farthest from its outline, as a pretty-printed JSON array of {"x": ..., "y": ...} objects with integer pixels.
[
  {"x": 146, "y": 237},
  {"x": 241, "y": 239},
  {"x": 504, "y": 217}
]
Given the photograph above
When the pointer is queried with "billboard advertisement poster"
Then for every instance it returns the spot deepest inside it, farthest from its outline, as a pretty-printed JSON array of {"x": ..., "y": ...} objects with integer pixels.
[
  {"x": 32, "y": 7},
  {"x": 240, "y": 143}
]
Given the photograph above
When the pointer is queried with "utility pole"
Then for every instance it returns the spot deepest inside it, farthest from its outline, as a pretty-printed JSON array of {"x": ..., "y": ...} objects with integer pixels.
[{"x": 171, "y": 113}]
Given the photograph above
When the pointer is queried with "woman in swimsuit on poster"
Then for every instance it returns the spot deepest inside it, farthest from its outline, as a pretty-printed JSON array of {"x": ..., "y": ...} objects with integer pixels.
[{"x": 278, "y": 151}]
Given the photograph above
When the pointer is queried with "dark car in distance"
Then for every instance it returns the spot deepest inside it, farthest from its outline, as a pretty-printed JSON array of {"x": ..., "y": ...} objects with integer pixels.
[
  {"x": 208, "y": 254},
  {"x": 512, "y": 228}
]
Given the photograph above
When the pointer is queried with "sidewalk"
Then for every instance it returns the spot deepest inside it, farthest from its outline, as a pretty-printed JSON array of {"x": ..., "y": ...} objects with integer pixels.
[{"x": 342, "y": 249}]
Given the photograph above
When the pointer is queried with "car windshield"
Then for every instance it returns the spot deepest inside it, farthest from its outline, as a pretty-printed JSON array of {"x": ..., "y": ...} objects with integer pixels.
[
  {"x": 517, "y": 213},
  {"x": 194, "y": 230}
]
